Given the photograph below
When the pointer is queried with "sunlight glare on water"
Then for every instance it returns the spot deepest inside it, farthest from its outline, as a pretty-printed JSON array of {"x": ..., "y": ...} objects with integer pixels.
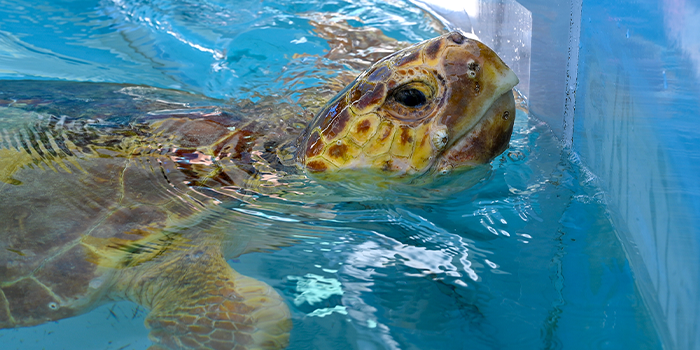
[{"x": 525, "y": 258}]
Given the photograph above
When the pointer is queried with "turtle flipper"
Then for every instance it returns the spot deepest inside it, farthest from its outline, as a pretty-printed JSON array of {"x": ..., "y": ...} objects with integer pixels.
[{"x": 199, "y": 302}]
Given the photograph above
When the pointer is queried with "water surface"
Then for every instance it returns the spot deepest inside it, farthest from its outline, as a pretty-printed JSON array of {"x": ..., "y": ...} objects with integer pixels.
[{"x": 524, "y": 259}]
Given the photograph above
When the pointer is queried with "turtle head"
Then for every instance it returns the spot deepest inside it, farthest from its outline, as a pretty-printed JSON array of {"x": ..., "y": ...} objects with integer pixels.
[{"x": 443, "y": 104}]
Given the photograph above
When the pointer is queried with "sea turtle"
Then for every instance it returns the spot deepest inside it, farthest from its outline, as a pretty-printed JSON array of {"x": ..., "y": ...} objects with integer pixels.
[{"x": 112, "y": 191}]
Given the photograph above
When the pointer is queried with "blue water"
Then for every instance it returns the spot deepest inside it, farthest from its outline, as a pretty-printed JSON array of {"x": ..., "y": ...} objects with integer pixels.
[{"x": 525, "y": 259}]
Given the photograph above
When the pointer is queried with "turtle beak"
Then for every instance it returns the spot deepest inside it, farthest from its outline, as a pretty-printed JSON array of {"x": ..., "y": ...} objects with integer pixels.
[
  {"x": 482, "y": 106},
  {"x": 477, "y": 78}
]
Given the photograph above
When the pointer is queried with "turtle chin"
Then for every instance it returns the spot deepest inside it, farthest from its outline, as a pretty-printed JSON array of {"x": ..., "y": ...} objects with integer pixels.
[{"x": 488, "y": 138}]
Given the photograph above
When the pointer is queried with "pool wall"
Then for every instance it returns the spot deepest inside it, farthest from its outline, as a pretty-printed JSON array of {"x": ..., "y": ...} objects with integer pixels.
[
  {"x": 636, "y": 126},
  {"x": 617, "y": 82}
]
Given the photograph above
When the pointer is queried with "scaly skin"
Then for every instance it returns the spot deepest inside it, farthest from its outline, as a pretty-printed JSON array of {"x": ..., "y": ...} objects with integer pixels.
[{"x": 222, "y": 308}]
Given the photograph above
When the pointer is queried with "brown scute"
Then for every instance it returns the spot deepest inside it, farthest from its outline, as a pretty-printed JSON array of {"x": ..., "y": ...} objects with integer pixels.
[
  {"x": 379, "y": 74},
  {"x": 316, "y": 166},
  {"x": 314, "y": 146},
  {"x": 360, "y": 90},
  {"x": 405, "y": 135},
  {"x": 69, "y": 274},
  {"x": 334, "y": 126},
  {"x": 341, "y": 152},
  {"x": 327, "y": 114},
  {"x": 371, "y": 98},
  {"x": 29, "y": 302},
  {"x": 457, "y": 38},
  {"x": 412, "y": 57},
  {"x": 432, "y": 50},
  {"x": 338, "y": 151},
  {"x": 387, "y": 132},
  {"x": 363, "y": 126}
]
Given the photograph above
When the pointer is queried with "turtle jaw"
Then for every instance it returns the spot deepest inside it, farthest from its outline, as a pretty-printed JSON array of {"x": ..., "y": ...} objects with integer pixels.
[{"x": 488, "y": 138}]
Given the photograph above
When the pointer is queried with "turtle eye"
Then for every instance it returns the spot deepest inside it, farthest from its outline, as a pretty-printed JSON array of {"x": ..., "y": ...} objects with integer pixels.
[
  {"x": 410, "y": 97},
  {"x": 411, "y": 101}
]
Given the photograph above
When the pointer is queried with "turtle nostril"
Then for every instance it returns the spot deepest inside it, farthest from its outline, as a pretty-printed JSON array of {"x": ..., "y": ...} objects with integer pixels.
[{"x": 457, "y": 38}]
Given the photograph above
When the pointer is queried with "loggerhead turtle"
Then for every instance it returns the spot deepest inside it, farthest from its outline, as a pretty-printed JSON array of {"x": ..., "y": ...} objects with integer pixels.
[{"x": 94, "y": 212}]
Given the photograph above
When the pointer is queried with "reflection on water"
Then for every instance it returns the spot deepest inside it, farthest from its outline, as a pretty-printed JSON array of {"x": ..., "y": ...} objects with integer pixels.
[
  {"x": 219, "y": 49},
  {"x": 520, "y": 255}
]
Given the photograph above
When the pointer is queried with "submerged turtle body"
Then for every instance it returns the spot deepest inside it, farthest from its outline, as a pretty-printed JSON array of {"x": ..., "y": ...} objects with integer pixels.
[{"x": 94, "y": 211}]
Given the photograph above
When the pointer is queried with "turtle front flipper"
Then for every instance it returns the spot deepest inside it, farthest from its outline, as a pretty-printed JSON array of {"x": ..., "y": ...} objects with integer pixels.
[{"x": 197, "y": 301}]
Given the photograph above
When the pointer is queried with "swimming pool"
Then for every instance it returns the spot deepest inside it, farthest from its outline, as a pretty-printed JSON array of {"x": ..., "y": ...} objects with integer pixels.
[{"x": 527, "y": 258}]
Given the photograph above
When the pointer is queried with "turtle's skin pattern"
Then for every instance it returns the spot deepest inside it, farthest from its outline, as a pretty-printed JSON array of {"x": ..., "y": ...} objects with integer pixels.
[
  {"x": 443, "y": 104},
  {"x": 110, "y": 194}
]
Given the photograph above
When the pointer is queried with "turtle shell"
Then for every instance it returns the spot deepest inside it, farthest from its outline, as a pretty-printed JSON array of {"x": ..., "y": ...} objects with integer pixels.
[{"x": 89, "y": 195}]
